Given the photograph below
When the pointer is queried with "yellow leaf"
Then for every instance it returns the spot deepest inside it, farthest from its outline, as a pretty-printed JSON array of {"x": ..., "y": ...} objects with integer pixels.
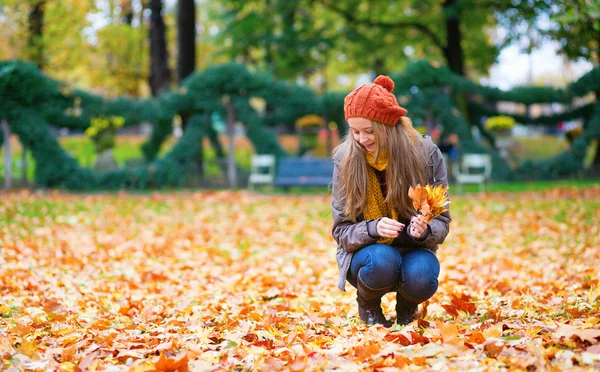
[
  {"x": 593, "y": 294},
  {"x": 28, "y": 348},
  {"x": 265, "y": 335},
  {"x": 494, "y": 331},
  {"x": 5, "y": 311},
  {"x": 67, "y": 367}
]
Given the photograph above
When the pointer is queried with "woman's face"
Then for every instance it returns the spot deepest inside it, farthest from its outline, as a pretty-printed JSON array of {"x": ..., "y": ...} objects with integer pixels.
[{"x": 362, "y": 131}]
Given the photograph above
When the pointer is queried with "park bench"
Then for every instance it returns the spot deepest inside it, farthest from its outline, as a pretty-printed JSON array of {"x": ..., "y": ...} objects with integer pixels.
[
  {"x": 262, "y": 170},
  {"x": 304, "y": 172},
  {"x": 474, "y": 169}
]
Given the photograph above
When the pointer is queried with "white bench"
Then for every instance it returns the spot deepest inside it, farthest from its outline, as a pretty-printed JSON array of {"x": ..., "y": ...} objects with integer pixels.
[
  {"x": 262, "y": 170},
  {"x": 473, "y": 169}
]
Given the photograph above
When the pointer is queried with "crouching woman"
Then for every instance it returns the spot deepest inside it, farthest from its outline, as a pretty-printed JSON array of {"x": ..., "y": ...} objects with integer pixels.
[{"x": 382, "y": 244}]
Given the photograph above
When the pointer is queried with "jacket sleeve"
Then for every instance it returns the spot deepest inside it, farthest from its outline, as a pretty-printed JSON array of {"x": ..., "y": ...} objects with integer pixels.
[
  {"x": 350, "y": 235},
  {"x": 439, "y": 226}
]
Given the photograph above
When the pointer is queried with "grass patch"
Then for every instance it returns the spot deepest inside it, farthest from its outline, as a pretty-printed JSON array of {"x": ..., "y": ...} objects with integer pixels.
[
  {"x": 526, "y": 186},
  {"x": 545, "y": 146},
  {"x": 128, "y": 147},
  {"x": 539, "y": 147},
  {"x": 496, "y": 187}
]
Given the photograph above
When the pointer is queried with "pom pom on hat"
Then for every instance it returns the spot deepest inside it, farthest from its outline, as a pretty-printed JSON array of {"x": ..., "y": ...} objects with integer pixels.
[
  {"x": 385, "y": 82},
  {"x": 374, "y": 102}
]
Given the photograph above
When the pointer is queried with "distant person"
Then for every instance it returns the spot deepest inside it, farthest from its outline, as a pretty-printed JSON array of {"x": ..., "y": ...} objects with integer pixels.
[
  {"x": 382, "y": 246},
  {"x": 449, "y": 145}
]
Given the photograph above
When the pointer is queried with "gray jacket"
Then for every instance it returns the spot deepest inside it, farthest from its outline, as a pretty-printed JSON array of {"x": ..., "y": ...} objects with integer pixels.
[{"x": 352, "y": 236}]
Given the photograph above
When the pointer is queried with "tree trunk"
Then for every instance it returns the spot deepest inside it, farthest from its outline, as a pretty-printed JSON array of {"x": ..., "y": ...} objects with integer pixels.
[
  {"x": 160, "y": 75},
  {"x": 453, "y": 49},
  {"x": 231, "y": 170},
  {"x": 186, "y": 38},
  {"x": 36, "y": 31},
  {"x": 186, "y": 46},
  {"x": 596, "y": 163},
  {"x": 378, "y": 66},
  {"x": 268, "y": 38},
  {"x": 7, "y": 155}
]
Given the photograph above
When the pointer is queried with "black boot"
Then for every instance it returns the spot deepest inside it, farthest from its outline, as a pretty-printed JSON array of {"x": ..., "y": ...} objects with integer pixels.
[
  {"x": 405, "y": 310},
  {"x": 369, "y": 304}
]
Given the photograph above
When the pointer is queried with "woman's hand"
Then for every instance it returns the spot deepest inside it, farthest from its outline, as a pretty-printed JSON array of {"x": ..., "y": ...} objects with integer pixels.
[
  {"x": 388, "y": 228},
  {"x": 417, "y": 228}
]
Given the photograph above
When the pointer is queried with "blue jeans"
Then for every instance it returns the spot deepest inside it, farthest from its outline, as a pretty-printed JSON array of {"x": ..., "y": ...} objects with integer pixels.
[{"x": 411, "y": 272}]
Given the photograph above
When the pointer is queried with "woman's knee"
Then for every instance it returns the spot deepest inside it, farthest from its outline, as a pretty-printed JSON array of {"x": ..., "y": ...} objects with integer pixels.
[
  {"x": 382, "y": 267},
  {"x": 420, "y": 271}
]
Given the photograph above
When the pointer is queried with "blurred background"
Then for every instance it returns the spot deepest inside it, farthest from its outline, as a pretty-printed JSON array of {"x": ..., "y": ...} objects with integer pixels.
[{"x": 143, "y": 94}]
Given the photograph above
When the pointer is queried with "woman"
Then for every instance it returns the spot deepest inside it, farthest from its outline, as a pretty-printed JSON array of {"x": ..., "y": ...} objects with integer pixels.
[{"x": 382, "y": 245}]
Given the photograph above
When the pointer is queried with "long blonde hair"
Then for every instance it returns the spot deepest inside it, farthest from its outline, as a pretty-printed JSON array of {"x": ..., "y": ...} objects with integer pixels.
[{"x": 407, "y": 164}]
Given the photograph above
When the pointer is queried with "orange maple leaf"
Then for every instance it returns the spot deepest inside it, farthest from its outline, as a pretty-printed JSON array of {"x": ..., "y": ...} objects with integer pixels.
[
  {"x": 429, "y": 201},
  {"x": 167, "y": 364}
]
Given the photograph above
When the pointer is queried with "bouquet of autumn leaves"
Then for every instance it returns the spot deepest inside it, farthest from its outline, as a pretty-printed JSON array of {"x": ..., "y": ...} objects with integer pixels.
[{"x": 429, "y": 201}]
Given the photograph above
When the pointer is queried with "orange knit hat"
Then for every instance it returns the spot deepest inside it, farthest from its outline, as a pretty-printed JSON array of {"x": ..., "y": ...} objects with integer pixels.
[{"x": 374, "y": 102}]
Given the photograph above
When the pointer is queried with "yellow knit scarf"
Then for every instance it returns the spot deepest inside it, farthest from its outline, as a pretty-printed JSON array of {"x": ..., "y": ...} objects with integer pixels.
[{"x": 376, "y": 205}]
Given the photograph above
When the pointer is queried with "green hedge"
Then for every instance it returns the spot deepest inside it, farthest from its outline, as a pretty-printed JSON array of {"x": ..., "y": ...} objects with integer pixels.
[
  {"x": 427, "y": 88},
  {"x": 31, "y": 102}
]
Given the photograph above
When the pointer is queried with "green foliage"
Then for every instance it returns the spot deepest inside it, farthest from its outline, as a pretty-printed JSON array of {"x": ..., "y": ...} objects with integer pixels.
[
  {"x": 425, "y": 89},
  {"x": 122, "y": 60},
  {"x": 333, "y": 109},
  {"x": 276, "y": 35},
  {"x": 581, "y": 18},
  {"x": 34, "y": 100},
  {"x": 82, "y": 42},
  {"x": 557, "y": 20},
  {"x": 296, "y": 38}
]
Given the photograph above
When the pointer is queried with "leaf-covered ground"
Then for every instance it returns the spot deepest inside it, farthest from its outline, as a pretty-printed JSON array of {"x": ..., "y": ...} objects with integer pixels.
[{"x": 240, "y": 281}]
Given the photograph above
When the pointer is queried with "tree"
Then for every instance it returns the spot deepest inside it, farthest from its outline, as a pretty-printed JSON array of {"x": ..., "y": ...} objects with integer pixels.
[
  {"x": 581, "y": 18},
  {"x": 370, "y": 35},
  {"x": 433, "y": 29},
  {"x": 285, "y": 37},
  {"x": 559, "y": 21},
  {"x": 160, "y": 74},
  {"x": 186, "y": 38},
  {"x": 82, "y": 43},
  {"x": 36, "y": 27}
]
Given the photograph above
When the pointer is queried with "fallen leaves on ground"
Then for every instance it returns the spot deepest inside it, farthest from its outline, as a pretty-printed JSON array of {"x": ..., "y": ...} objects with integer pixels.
[{"x": 241, "y": 281}]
